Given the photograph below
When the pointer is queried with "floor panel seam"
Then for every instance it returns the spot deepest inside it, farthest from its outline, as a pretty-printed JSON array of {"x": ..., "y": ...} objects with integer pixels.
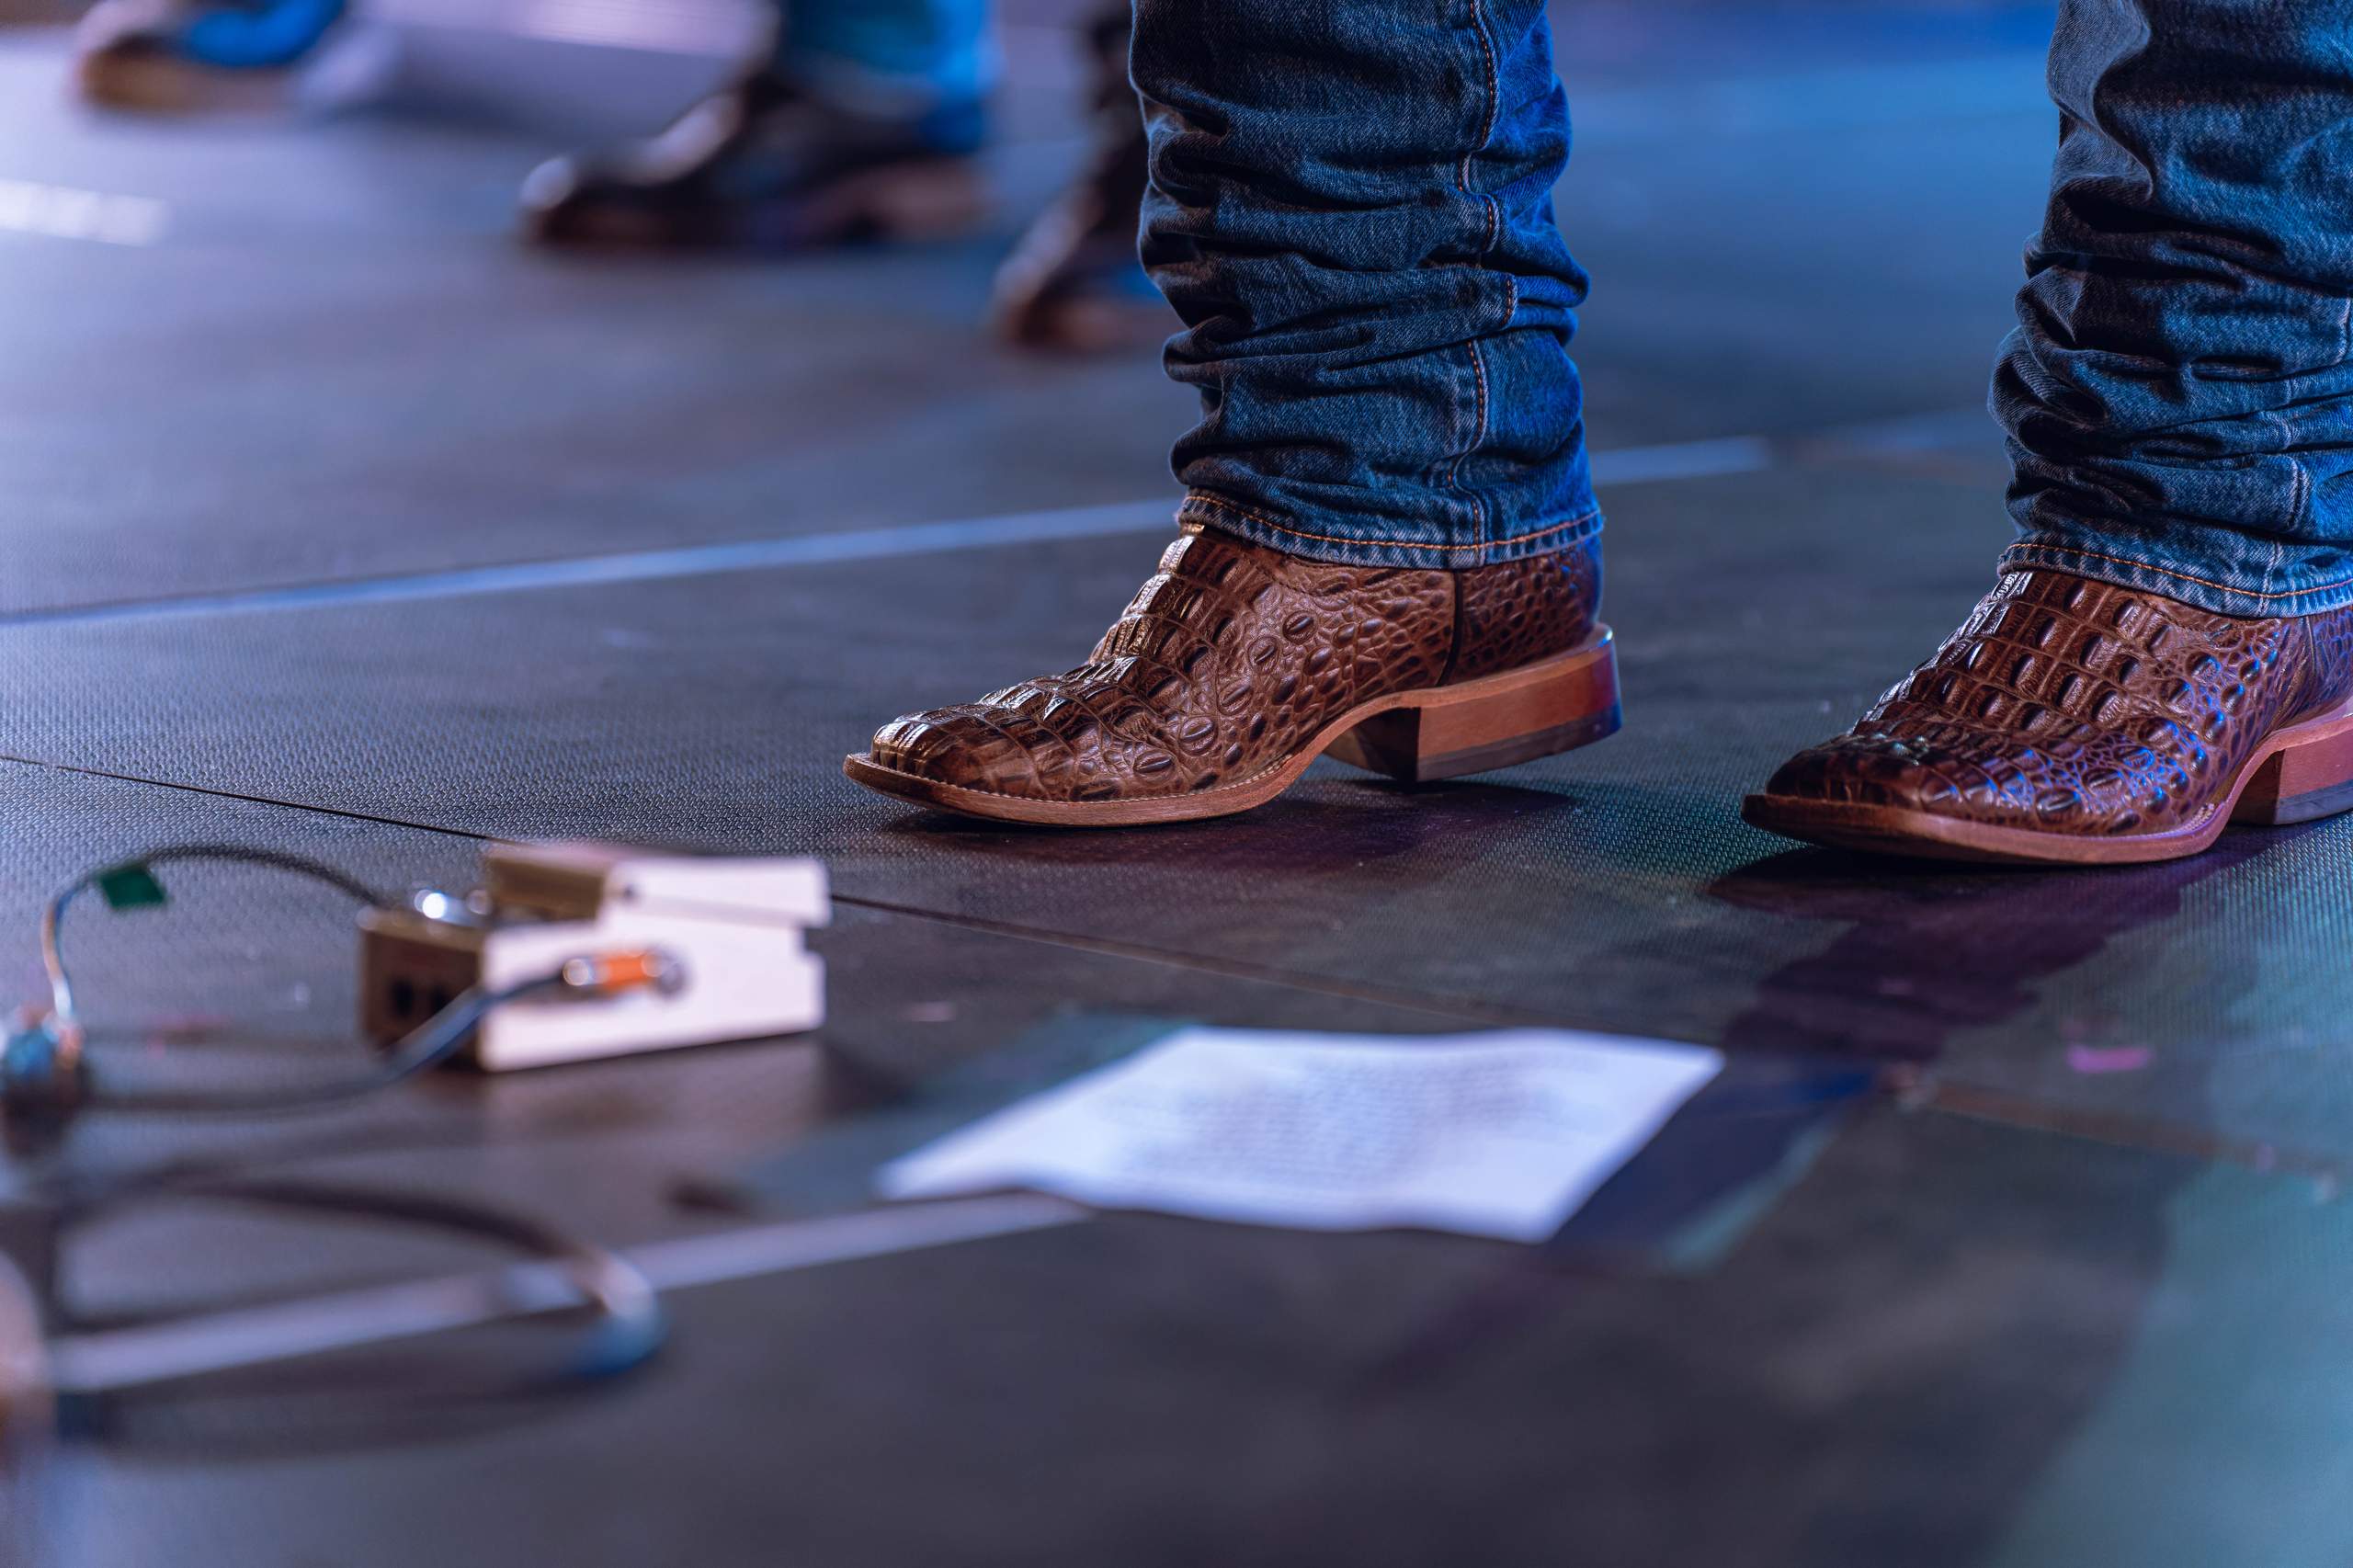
[
  {"x": 2115, "y": 1130},
  {"x": 1664, "y": 462},
  {"x": 2023, "y": 1112},
  {"x": 342, "y": 812}
]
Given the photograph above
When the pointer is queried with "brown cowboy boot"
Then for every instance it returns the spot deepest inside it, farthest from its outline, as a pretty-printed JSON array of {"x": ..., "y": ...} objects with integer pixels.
[
  {"x": 1236, "y": 666},
  {"x": 2073, "y": 721}
]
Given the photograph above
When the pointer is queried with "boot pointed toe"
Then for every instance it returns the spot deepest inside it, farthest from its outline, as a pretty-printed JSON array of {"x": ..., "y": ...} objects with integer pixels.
[{"x": 2073, "y": 721}]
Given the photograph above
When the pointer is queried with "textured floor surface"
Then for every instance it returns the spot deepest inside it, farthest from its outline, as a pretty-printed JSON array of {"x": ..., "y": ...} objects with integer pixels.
[{"x": 337, "y": 522}]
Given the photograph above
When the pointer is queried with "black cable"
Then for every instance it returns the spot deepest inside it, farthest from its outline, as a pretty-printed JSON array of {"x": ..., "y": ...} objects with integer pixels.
[
  {"x": 66, "y": 1070},
  {"x": 44, "y": 1068},
  {"x": 628, "y": 1325},
  {"x": 429, "y": 1045},
  {"x": 52, "y": 953}
]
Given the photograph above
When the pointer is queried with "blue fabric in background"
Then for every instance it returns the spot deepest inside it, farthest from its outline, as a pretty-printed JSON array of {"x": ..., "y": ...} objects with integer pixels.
[{"x": 259, "y": 38}]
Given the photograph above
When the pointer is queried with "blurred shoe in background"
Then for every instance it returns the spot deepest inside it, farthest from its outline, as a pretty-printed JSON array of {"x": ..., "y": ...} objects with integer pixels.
[
  {"x": 193, "y": 56},
  {"x": 1073, "y": 283},
  {"x": 864, "y": 122},
  {"x": 770, "y": 162}
]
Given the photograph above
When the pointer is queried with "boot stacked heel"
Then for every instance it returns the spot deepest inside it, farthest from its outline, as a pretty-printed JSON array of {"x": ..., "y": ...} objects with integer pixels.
[
  {"x": 2308, "y": 776},
  {"x": 1539, "y": 709}
]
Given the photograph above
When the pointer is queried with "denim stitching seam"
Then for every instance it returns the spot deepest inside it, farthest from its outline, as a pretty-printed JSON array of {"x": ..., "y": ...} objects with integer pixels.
[
  {"x": 1487, "y": 124},
  {"x": 2017, "y": 554},
  {"x": 1213, "y": 502},
  {"x": 2299, "y": 509},
  {"x": 1493, "y": 213},
  {"x": 2298, "y": 495},
  {"x": 1479, "y": 436}
]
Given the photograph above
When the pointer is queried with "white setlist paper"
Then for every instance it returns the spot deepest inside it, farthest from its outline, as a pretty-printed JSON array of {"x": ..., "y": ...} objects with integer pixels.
[{"x": 1501, "y": 1134}]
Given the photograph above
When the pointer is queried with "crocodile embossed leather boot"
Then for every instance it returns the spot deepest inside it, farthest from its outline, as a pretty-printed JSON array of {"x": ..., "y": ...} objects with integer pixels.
[
  {"x": 1236, "y": 666},
  {"x": 2076, "y": 721}
]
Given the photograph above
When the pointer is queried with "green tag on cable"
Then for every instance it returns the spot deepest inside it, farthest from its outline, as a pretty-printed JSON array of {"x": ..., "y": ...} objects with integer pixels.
[{"x": 131, "y": 887}]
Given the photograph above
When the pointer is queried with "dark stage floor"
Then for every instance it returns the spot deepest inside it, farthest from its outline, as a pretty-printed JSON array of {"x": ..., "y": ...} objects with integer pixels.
[{"x": 2013, "y": 1238}]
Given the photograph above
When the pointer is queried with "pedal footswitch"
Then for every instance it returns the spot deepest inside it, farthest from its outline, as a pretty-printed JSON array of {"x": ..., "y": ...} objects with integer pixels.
[{"x": 721, "y": 943}]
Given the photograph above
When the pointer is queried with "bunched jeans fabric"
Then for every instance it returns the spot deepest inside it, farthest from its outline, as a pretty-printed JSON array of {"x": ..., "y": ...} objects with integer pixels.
[
  {"x": 2179, "y": 392},
  {"x": 1351, "y": 213}
]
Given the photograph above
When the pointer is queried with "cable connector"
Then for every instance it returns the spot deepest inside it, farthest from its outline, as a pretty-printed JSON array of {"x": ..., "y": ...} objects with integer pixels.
[
  {"x": 650, "y": 953},
  {"x": 597, "y": 976},
  {"x": 41, "y": 1081}
]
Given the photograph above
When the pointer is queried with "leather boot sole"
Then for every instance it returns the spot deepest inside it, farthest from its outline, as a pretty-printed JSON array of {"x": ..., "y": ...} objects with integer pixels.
[
  {"x": 1553, "y": 705},
  {"x": 2300, "y": 773}
]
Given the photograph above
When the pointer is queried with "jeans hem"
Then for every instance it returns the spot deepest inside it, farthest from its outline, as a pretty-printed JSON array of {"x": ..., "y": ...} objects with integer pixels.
[
  {"x": 2205, "y": 593},
  {"x": 1320, "y": 543}
]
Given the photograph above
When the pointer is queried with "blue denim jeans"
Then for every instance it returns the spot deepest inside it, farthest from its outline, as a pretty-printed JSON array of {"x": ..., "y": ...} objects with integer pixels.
[
  {"x": 2179, "y": 392},
  {"x": 1351, "y": 213}
]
